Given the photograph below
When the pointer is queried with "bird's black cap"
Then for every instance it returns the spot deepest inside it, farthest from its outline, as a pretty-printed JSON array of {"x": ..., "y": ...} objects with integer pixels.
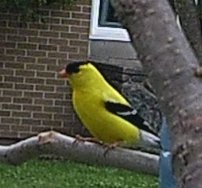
[{"x": 74, "y": 66}]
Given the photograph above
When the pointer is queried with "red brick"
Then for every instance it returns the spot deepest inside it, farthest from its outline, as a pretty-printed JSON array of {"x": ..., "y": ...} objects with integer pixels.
[
  {"x": 63, "y": 117},
  {"x": 7, "y": 58},
  {"x": 7, "y": 44},
  {"x": 61, "y": 102},
  {"x": 27, "y": 73},
  {"x": 17, "y": 24},
  {"x": 54, "y": 82},
  {"x": 44, "y": 12},
  {"x": 68, "y": 49},
  {"x": 20, "y": 128},
  {"x": 48, "y": 47},
  {"x": 83, "y": 50},
  {"x": 53, "y": 67},
  {"x": 62, "y": 63},
  {"x": 63, "y": 28},
  {"x": 52, "y": 123},
  {"x": 5, "y": 99},
  {"x": 32, "y": 108},
  {"x": 78, "y": 56},
  {"x": 6, "y": 71},
  {"x": 8, "y": 134},
  {"x": 26, "y": 59},
  {"x": 28, "y": 32},
  {"x": 40, "y": 128},
  {"x": 52, "y": 20},
  {"x": 11, "y": 106},
  {"x": 35, "y": 67},
  {"x": 2, "y": 51},
  {"x": 47, "y": 61},
  {"x": 16, "y": 38},
  {"x": 54, "y": 95},
  {"x": 45, "y": 74},
  {"x": 85, "y": 23},
  {"x": 42, "y": 115},
  {"x": 34, "y": 80},
  {"x": 53, "y": 34},
  {"x": 2, "y": 37},
  {"x": 33, "y": 94},
  {"x": 37, "y": 39},
  {"x": 84, "y": 37},
  {"x": 15, "y": 52},
  {"x": 39, "y": 26},
  {"x": 12, "y": 92},
  {"x": 69, "y": 35},
  {"x": 6, "y": 85},
  {"x": 62, "y": 89},
  {"x": 25, "y": 134},
  {"x": 5, "y": 127},
  {"x": 26, "y": 46},
  {"x": 9, "y": 16},
  {"x": 81, "y": 16},
  {"x": 24, "y": 86},
  {"x": 73, "y": 8},
  {"x": 36, "y": 90},
  {"x": 60, "y": 14},
  {"x": 86, "y": 9},
  {"x": 3, "y": 23},
  {"x": 4, "y": 113},
  {"x": 57, "y": 55},
  {"x": 43, "y": 102},
  {"x": 78, "y": 43},
  {"x": 10, "y": 120},
  {"x": 7, "y": 31},
  {"x": 32, "y": 122},
  {"x": 85, "y": 2},
  {"x": 69, "y": 109},
  {"x": 14, "y": 65},
  {"x": 58, "y": 41},
  {"x": 77, "y": 29},
  {"x": 22, "y": 100},
  {"x": 14, "y": 79},
  {"x": 36, "y": 53},
  {"x": 21, "y": 114},
  {"x": 71, "y": 22}
]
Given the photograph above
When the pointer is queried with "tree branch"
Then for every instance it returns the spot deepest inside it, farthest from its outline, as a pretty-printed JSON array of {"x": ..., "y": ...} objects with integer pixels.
[
  {"x": 190, "y": 22},
  {"x": 171, "y": 64},
  {"x": 56, "y": 144}
]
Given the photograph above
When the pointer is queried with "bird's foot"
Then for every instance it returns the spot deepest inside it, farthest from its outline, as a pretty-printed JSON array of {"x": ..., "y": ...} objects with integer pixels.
[
  {"x": 79, "y": 138},
  {"x": 111, "y": 146}
]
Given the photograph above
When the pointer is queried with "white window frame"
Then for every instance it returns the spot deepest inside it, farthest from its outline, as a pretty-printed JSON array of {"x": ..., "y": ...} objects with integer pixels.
[{"x": 104, "y": 33}]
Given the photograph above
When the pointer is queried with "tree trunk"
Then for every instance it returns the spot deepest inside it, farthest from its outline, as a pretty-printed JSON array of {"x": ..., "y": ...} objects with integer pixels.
[
  {"x": 53, "y": 143},
  {"x": 171, "y": 64},
  {"x": 190, "y": 22}
]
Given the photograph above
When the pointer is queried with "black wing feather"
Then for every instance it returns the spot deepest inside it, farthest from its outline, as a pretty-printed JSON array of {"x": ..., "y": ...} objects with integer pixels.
[{"x": 129, "y": 114}]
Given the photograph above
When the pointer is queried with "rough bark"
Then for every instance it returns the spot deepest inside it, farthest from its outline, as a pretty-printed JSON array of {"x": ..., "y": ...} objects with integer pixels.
[
  {"x": 53, "y": 143},
  {"x": 190, "y": 23},
  {"x": 171, "y": 64}
]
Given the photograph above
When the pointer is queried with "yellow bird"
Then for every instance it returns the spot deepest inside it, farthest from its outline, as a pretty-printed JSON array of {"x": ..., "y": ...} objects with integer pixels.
[{"x": 104, "y": 111}]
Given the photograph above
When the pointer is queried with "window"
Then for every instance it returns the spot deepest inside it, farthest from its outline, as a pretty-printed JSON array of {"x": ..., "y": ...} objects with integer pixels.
[
  {"x": 106, "y": 15},
  {"x": 104, "y": 25}
]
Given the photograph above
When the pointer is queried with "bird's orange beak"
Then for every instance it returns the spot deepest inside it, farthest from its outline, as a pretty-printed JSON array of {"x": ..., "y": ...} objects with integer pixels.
[{"x": 63, "y": 74}]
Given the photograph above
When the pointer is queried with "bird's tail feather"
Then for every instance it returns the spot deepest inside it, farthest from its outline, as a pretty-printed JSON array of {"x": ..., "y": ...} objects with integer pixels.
[{"x": 148, "y": 139}]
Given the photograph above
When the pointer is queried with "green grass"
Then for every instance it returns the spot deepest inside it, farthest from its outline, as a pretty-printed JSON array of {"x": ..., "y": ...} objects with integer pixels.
[{"x": 64, "y": 174}]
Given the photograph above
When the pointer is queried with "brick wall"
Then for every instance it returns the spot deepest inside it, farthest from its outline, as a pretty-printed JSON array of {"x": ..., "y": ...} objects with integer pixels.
[{"x": 32, "y": 98}]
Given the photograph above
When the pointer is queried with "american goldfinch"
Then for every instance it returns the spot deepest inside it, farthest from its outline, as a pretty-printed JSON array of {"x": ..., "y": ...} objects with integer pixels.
[{"x": 104, "y": 111}]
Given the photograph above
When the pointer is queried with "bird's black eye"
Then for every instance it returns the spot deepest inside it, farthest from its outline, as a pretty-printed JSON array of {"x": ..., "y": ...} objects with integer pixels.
[{"x": 72, "y": 68}]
